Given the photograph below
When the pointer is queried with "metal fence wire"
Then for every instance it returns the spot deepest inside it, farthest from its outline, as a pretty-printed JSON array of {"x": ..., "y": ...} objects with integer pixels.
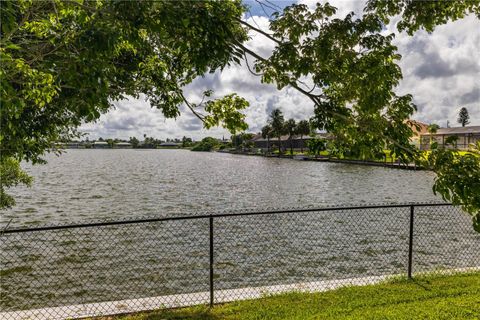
[{"x": 118, "y": 267}]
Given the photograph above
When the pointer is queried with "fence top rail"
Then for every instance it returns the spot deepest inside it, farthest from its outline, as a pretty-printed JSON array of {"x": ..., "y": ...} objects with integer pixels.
[{"x": 218, "y": 215}]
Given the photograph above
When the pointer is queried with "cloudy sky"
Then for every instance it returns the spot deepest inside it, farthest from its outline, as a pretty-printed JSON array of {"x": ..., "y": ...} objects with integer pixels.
[{"x": 441, "y": 70}]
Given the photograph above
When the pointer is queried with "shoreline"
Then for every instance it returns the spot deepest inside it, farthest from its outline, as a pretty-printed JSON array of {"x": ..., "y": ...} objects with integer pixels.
[{"x": 392, "y": 165}]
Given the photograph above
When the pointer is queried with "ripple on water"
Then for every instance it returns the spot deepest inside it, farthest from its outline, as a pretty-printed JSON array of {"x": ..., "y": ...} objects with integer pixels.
[{"x": 88, "y": 184}]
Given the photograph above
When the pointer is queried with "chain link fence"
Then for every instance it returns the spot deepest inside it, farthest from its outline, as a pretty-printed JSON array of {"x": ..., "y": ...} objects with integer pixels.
[{"x": 119, "y": 267}]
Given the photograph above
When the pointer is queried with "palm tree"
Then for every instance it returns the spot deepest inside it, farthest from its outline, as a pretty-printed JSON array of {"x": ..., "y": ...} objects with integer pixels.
[
  {"x": 277, "y": 122},
  {"x": 432, "y": 129},
  {"x": 266, "y": 133},
  {"x": 303, "y": 129},
  {"x": 291, "y": 129}
]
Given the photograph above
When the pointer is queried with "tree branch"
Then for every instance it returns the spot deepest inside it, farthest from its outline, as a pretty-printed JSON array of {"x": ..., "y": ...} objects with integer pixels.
[
  {"x": 291, "y": 83},
  {"x": 316, "y": 99},
  {"x": 269, "y": 36},
  {"x": 270, "y": 5},
  {"x": 187, "y": 103},
  {"x": 248, "y": 66}
]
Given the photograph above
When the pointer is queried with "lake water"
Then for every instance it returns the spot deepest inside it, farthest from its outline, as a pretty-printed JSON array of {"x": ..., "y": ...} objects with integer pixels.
[
  {"x": 85, "y": 185},
  {"x": 111, "y": 263}
]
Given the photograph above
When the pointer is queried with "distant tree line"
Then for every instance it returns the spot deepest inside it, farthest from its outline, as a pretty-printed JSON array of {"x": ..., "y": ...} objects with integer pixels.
[
  {"x": 146, "y": 143},
  {"x": 206, "y": 144}
]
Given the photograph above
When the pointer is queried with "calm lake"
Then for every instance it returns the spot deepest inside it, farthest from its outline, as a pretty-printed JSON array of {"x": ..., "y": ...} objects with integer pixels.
[
  {"x": 85, "y": 185},
  {"x": 111, "y": 263}
]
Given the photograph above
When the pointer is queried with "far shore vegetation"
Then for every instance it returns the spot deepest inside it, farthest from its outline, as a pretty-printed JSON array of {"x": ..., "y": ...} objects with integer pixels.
[
  {"x": 280, "y": 135},
  {"x": 275, "y": 129}
]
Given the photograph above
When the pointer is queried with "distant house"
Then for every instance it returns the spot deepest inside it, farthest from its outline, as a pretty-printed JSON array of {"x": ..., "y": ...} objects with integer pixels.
[
  {"x": 66, "y": 145},
  {"x": 122, "y": 145},
  {"x": 100, "y": 145},
  {"x": 72, "y": 145},
  {"x": 223, "y": 141},
  {"x": 297, "y": 141},
  {"x": 169, "y": 145},
  {"x": 418, "y": 128},
  {"x": 464, "y": 137}
]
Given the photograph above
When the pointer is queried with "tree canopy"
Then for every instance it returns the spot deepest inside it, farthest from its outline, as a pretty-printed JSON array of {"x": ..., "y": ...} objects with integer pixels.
[
  {"x": 353, "y": 71},
  {"x": 66, "y": 62},
  {"x": 416, "y": 15}
]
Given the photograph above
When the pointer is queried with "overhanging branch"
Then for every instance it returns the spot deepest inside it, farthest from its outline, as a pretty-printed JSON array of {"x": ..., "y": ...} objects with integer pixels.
[{"x": 269, "y": 36}]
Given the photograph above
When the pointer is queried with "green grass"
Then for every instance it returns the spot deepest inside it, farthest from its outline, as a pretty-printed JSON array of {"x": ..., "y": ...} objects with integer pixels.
[{"x": 427, "y": 297}]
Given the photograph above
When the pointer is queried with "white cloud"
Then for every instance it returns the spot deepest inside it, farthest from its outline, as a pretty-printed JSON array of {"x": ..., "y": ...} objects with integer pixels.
[{"x": 441, "y": 70}]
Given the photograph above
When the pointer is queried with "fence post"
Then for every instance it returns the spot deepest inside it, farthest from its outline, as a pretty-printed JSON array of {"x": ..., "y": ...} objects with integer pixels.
[
  {"x": 410, "y": 242},
  {"x": 211, "y": 261}
]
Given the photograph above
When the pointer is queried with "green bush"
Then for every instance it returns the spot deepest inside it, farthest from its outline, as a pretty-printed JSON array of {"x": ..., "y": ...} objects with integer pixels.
[{"x": 207, "y": 144}]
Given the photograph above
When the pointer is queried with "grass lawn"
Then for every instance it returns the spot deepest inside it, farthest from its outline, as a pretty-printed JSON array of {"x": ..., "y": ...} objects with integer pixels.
[{"x": 427, "y": 297}]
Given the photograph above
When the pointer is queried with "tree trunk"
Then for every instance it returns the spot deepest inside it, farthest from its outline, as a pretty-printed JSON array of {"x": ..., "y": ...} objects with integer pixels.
[
  {"x": 279, "y": 145},
  {"x": 301, "y": 143},
  {"x": 291, "y": 146},
  {"x": 268, "y": 144}
]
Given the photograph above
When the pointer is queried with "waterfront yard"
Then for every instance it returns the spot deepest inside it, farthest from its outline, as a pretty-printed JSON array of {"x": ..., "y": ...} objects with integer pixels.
[{"x": 428, "y": 297}]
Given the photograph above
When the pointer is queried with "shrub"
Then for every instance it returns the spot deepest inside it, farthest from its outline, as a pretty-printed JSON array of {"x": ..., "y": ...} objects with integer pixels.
[{"x": 207, "y": 144}]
